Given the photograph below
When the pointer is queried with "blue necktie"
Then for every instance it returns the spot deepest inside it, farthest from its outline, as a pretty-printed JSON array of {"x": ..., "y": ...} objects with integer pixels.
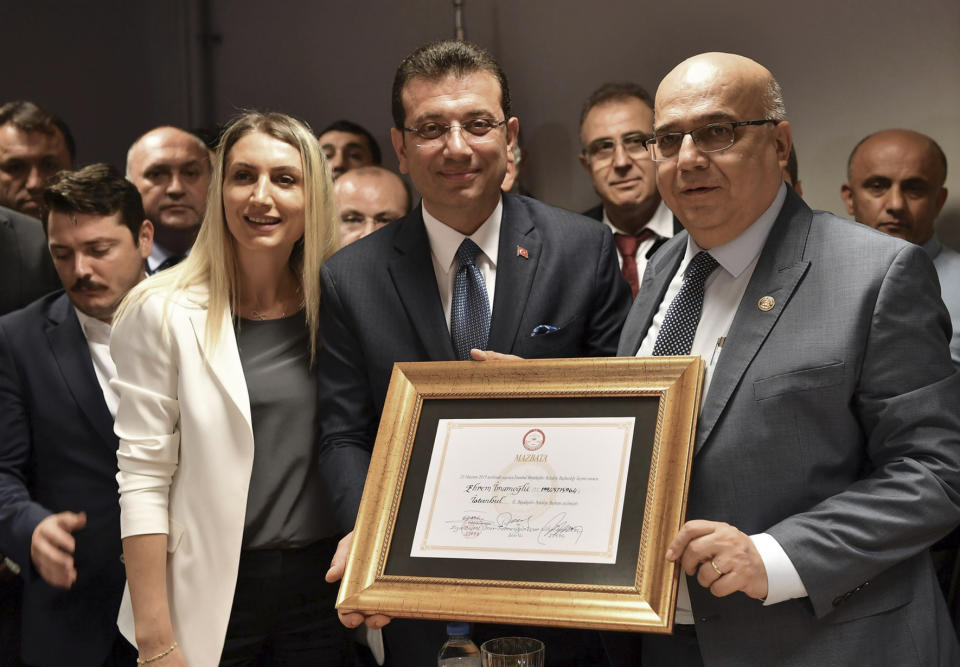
[
  {"x": 470, "y": 309},
  {"x": 680, "y": 323}
]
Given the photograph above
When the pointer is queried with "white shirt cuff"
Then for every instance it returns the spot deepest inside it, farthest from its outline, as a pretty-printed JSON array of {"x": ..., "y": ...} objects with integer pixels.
[{"x": 783, "y": 582}]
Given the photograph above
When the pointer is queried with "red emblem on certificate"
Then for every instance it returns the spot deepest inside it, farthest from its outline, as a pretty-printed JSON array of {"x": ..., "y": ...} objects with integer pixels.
[{"x": 533, "y": 439}]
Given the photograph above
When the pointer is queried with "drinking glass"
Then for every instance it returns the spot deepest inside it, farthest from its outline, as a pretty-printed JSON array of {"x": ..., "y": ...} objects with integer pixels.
[{"x": 512, "y": 652}]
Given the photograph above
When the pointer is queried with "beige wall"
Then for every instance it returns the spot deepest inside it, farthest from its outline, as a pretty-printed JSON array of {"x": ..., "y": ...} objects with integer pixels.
[{"x": 113, "y": 68}]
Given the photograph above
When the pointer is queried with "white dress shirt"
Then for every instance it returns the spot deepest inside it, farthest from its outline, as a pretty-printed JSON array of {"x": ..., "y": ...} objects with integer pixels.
[
  {"x": 97, "y": 334},
  {"x": 444, "y": 242},
  {"x": 660, "y": 224},
  {"x": 723, "y": 292}
]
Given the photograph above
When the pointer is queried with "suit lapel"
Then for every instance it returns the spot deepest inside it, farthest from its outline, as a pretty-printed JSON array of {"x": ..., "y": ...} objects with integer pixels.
[
  {"x": 223, "y": 359},
  {"x": 656, "y": 279},
  {"x": 779, "y": 270},
  {"x": 515, "y": 272},
  {"x": 72, "y": 354},
  {"x": 416, "y": 283}
]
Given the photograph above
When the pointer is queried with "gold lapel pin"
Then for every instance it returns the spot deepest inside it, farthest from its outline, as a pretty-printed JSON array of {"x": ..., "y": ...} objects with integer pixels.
[{"x": 766, "y": 303}]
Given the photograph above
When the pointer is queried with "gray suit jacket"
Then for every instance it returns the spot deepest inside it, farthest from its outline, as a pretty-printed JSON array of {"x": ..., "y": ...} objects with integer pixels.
[
  {"x": 832, "y": 424},
  {"x": 26, "y": 270}
]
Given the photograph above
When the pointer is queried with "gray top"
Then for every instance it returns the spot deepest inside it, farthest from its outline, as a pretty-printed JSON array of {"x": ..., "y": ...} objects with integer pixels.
[{"x": 286, "y": 504}]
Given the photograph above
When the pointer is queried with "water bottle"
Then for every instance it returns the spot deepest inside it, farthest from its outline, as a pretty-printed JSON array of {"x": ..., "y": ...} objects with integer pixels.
[{"x": 459, "y": 649}]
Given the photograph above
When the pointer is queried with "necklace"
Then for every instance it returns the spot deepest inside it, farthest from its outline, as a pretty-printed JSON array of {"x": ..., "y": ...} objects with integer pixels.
[
  {"x": 257, "y": 315},
  {"x": 262, "y": 315}
]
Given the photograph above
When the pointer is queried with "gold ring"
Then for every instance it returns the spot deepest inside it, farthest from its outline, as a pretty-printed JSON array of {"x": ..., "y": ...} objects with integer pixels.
[{"x": 716, "y": 569}]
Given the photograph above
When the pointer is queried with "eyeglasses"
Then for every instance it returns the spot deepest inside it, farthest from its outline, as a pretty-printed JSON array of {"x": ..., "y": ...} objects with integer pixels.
[
  {"x": 602, "y": 151},
  {"x": 709, "y": 139},
  {"x": 475, "y": 131}
]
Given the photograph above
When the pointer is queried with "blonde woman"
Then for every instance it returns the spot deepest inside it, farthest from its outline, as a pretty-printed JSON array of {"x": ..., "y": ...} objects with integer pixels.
[{"x": 225, "y": 528}]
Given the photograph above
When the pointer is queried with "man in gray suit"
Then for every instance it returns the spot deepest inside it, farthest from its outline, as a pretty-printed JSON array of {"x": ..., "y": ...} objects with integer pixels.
[{"x": 827, "y": 455}]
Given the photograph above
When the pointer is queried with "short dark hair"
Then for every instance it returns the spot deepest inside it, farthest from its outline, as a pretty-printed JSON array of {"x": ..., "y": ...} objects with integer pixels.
[
  {"x": 28, "y": 117},
  {"x": 98, "y": 189},
  {"x": 439, "y": 59},
  {"x": 615, "y": 90},
  {"x": 344, "y": 125},
  {"x": 792, "y": 167}
]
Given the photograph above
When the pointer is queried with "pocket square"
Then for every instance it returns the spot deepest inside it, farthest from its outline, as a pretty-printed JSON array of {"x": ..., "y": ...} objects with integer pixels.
[{"x": 542, "y": 329}]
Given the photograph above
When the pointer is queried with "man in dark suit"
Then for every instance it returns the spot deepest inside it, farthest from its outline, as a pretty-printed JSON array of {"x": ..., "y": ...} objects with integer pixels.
[
  {"x": 27, "y": 270},
  {"x": 171, "y": 169},
  {"x": 34, "y": 145},
  {"x": 544, "y": 282},
  {"x": 827, "y": 455},
  {"x": 59, "y": 516},
  {"x": 615, "y": 121}
]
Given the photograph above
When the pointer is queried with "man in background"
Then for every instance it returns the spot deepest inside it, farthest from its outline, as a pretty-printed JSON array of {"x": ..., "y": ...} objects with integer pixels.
[
  {"x": 616, "y": 120},
  {"x": 348, "y": 146},
  {"x": 34, "y": 145},
  {"x": 895, "y": 184},
  {"x": 369, "y": 198},
  {"x": 171, "y": 169}
]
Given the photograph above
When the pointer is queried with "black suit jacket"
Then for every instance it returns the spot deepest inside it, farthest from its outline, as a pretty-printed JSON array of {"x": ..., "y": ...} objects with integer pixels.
[
  {"x": 57, "y": 453},
  {"x": 26, "y": 270}
]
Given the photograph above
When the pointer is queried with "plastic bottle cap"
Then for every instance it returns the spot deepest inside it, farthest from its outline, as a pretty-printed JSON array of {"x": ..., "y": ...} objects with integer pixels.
[{"x": 458, "y": 629}]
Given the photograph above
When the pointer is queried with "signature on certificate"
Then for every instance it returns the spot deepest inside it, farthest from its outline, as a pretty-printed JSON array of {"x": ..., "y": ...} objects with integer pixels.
[{"x": 556, "y": 529}]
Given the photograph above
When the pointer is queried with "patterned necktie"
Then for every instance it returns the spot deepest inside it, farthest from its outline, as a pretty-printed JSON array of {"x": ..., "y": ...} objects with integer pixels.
[
  {"x": 470, "y": 310},
  {"x": 680, "y": 323},
  {"x": 627, "y": 246}
]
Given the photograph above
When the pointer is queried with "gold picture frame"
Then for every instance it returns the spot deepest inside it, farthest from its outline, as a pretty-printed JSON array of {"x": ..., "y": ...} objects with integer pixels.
[{"x": 637, "y": 593}]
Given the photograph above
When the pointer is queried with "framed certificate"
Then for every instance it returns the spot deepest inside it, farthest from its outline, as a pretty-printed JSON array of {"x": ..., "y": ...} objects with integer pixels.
[{"x": 540, "y": 492}]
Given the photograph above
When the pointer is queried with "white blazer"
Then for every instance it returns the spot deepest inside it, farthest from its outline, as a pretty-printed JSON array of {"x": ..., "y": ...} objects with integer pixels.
[{"x": 185, "y": 458}]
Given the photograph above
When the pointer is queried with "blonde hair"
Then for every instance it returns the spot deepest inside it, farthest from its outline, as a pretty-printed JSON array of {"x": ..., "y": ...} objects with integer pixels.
[{"x": 213, "y": 259}]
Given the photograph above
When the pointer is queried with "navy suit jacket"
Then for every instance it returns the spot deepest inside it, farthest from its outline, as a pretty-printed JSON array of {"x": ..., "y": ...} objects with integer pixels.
[
  {"x": 832, "y": 424},
  {"x": 26, "y": 270},
  {"x": 381, "y": 305},
  {"x": 58, "y": 453}
]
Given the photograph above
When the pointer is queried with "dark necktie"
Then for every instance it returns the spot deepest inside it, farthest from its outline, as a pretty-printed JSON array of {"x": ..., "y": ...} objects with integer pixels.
[
  {"x": 470, "y": 308},
  {"x": 627, "y": 245},
  {"x": 680, "y": 323}
]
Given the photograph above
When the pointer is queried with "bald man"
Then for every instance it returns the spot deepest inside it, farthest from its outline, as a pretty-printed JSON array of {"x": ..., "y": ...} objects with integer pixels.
[
  {"x": 827, "y": 451},
  {"x": 171, "y": 169},
  {"x": 369, "y": 198},
  {"x": 895, "y": 184}
]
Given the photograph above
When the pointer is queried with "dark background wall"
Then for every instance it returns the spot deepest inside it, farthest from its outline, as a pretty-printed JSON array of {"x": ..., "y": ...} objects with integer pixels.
[{"x": 114, "y": 69}]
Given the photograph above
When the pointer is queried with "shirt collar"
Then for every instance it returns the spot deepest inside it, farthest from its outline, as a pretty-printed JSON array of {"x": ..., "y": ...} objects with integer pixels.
[
  {"x": 660, "y": 223},
  {"x": 736, "y": 255},
  {"x": 94, "y": 330},
  {"x": 159, "y": 255},
  {"x": 444, "y": 240}
]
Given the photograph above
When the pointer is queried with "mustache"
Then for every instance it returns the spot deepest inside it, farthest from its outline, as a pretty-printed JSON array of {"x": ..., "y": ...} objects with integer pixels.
[{"x": 84, "y": 284}]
